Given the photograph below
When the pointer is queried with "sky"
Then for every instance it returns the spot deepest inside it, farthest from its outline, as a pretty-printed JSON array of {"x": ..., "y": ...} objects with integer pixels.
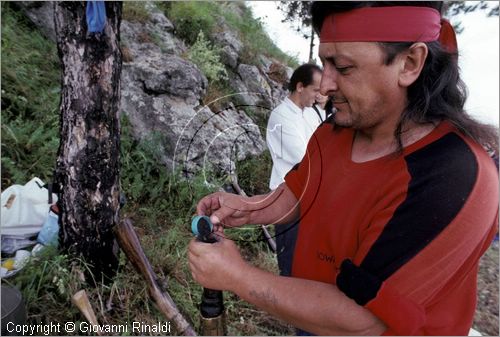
[{"x": 478, "y": 48}]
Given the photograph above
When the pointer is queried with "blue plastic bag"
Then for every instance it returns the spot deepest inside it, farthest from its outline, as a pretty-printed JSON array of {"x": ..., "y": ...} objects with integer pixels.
[
  {"x": 96, "y": 16},
  {"x": 49, "y": 234}
]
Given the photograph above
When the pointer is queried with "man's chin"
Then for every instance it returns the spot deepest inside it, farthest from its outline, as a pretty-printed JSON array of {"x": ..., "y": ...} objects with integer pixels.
[{"x": 341, "y": 119}]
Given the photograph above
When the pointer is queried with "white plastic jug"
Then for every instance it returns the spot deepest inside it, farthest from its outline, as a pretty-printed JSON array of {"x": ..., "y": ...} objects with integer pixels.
[{"x": 24, "y": 209}]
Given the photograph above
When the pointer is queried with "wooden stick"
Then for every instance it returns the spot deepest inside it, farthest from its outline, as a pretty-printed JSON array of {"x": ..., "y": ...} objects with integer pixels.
[
  {"x": 270, "y": 241},
  {"x": 129, "y": 243},
  {"x": 81, "y": 301}
]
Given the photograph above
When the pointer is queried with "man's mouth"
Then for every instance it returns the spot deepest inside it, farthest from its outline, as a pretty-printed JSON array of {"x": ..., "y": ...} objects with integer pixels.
[{"x": 338, "y": 100}]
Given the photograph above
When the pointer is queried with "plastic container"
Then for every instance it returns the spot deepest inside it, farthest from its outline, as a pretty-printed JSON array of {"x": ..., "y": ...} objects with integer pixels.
[
  {"x": 22, "y": 257},
  {"x": 50, "y": 230}
]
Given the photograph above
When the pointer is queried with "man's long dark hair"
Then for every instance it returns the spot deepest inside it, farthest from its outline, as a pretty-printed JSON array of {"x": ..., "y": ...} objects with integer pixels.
[{"x": 439, "y": 93}]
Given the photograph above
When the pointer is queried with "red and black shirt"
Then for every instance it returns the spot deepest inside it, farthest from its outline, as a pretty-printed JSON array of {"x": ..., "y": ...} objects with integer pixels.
[{"x": 401, "y": 235}]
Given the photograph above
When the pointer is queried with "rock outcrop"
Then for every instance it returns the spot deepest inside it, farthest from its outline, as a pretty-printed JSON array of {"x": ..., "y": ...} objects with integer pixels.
[{"x": 163, "y": 93}]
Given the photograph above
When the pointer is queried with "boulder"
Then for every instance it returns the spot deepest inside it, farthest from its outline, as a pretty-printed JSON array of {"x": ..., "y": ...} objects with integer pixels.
[
  {"x": 161, "y": 91},
  {"x": 192, "y": 137},
  {"x": 255, "y": 84},
  {"x": 229, "y": 57},
  {"x": 167, "y": 74},
  {"x": 139, "y": 38},
  {"x": 225, "y": 37},
  {"x": 41, "y": 13}
]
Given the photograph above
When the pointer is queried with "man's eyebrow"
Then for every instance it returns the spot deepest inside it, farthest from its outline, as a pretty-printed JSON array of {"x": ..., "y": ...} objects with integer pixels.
[{"x": 335, "y": 58}]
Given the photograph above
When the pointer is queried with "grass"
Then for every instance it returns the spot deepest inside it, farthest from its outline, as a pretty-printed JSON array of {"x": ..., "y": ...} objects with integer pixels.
[
  {"x": 189, "y": 17},
  {"x": 254, "y": 173},
  {"x": 30, "y": 97},
  {"x": 159, "y": 202},
  {"x": 255, "y": 39},
  {"x": 135, "y": 11}
]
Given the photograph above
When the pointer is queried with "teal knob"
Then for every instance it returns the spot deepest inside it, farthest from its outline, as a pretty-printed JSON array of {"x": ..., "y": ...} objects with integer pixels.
[{"x": 201, "y": 226}]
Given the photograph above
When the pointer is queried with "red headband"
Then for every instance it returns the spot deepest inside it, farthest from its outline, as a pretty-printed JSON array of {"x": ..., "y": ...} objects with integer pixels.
[{"x": 389, "y": 24}]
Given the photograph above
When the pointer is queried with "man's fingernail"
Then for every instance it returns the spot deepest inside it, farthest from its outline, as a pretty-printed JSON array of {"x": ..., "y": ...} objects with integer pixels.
[{"x": 214, "y": 219}]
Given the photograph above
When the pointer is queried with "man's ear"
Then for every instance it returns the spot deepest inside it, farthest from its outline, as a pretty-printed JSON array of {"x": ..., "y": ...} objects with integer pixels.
[
  {"x": 299, "y": 87},
  {"x": 413, "y": 61}
]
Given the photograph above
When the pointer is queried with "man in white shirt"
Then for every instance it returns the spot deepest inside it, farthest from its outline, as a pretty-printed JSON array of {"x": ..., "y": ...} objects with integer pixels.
[{"x": 289, "y": 128}]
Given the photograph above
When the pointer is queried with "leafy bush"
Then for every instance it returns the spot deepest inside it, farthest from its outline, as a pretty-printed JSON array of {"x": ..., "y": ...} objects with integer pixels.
[
  {"x": 189, "y": 17},
  {"x": 206, "y": 57}
]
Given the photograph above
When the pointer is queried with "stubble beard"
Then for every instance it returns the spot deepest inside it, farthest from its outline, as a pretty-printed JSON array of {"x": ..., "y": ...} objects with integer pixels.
[{"x": 344, "y": 119}]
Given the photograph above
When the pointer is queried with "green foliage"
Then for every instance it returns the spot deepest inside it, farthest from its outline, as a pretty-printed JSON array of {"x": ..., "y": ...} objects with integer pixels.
[
  {"x": 254, "y": 173},
  {"x": 219, "y": 95},
  {"x": 255, "y": 39},
  {"x": 153, "y": 191},
  {"x": 135, "y": 11},
  {"x": 30, "y": 97},
  {"x": 159, "y": 202},
  {"x": 190, "y": 17},
  {"x": 206, "y": 57},
  {"x": 29, "y": 149},
  {"x": 49, "y": 278}
]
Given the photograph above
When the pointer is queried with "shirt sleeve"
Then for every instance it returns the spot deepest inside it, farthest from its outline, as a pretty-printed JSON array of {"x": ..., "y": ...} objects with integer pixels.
[{"x": 299, "y": 176}]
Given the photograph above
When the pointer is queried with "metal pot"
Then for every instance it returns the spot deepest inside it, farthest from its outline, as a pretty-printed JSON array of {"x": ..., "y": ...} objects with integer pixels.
[{"x": 13, "y": 310}]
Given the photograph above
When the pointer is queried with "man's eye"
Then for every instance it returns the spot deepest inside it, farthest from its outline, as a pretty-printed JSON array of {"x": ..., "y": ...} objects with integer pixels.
[{"x": 343, "y": 70}]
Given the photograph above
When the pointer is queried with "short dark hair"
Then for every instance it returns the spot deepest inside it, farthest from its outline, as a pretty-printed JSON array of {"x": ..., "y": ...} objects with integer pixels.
[
  {"x": 304, "y": 74},
  {"x": 439, "y": 93}
]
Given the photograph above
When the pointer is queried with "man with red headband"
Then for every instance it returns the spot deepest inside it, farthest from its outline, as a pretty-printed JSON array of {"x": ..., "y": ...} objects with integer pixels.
[{"x": 397, "y": 197}]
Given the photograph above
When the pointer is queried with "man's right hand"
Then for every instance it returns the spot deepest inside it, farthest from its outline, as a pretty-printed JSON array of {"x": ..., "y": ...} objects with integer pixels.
[
  {"x": 232, "y": 210},
  {"x": 227, "y": 209}
]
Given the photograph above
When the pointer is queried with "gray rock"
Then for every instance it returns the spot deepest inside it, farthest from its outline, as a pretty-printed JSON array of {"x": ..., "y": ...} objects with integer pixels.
[
  {"x": 168, "y": 74},
  {"x": 41, "y": 13},
  {"x": 255, "y": 84},
  {"x": 226, "y": 37},
  {"x": 192, "y": 137},
  {"x": 265, "y": 62},
  {"x": 161, "y": 92},
  {"x": 229, "y": 57},
  {"x": 161, "y": 22},
  {"x": 139, "y": 38},
  {"x": 216, "y": 141}
]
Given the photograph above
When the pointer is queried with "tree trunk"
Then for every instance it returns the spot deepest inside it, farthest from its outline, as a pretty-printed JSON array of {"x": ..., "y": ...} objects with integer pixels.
[
  {"x": 88, "y": 162},
  {"x": 311, "y": 44}
]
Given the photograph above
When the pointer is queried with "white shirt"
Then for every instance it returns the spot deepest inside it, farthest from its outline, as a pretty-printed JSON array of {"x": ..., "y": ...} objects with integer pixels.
[{"x": 288, "y": 131}]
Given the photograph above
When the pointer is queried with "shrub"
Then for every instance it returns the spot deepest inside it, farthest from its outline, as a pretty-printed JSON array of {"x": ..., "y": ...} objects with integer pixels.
[
  {"x": 189, "y": 17},
  {"x": 206, "y": 57}
]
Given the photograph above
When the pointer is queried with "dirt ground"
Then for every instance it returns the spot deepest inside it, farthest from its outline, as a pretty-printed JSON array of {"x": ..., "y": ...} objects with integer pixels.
[{"x": 486, "y": 318}]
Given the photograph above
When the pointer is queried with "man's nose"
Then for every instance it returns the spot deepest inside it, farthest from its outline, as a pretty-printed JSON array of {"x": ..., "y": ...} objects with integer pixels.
[{"x": 328, "y": 82}]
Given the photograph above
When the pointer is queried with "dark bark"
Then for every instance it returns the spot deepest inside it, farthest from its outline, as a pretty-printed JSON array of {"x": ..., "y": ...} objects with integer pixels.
[
  {"x": 311, "y": 44},
  {"x": 88, "y": 158}
]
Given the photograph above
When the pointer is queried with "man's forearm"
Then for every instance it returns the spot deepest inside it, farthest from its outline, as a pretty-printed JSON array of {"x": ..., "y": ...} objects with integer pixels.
[
  {"x": 277, "y": 207},
  {"x": 315, "y": 307}
]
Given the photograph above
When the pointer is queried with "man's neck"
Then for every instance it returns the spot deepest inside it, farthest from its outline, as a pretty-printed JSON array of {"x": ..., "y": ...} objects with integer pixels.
[
  {"x": 294, "y": 97},
  {"x": 370, "y": 144}
]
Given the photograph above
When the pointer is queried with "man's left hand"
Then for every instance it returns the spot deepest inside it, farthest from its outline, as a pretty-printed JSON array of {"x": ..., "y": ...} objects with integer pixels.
[{"x": 216, "y": 265}]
